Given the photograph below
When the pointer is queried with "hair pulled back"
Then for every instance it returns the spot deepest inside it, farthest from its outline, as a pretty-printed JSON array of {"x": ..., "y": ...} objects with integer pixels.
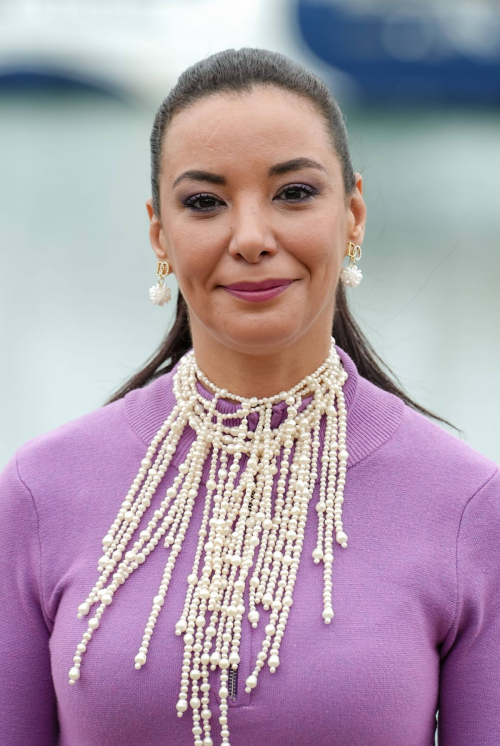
[{"x": 239, "y": 71}]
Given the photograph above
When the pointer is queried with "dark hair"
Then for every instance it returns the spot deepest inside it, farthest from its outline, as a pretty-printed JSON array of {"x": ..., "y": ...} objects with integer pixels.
[{"x": 238, "y": 71}]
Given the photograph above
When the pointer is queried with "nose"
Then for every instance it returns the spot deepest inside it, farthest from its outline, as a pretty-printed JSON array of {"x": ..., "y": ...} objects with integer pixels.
[{"x": 251, "y": 234}]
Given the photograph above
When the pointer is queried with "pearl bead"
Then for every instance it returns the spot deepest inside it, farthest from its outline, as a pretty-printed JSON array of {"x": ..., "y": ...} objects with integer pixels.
[
  {"x": 253, "y": 617},
  {"x": 274, "y": 661},
  {"x": 328, "y": 614}
]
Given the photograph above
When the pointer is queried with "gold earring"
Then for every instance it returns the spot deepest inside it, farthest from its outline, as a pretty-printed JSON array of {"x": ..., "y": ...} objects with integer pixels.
[
  {"x": 351, "y": 276},
  {"x": 160, "y": 293}
]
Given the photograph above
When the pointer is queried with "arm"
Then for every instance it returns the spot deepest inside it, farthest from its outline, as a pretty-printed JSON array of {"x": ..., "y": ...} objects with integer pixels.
[
  {"x": 469, "y": 699},
  {"x": 28, "y": 709}
]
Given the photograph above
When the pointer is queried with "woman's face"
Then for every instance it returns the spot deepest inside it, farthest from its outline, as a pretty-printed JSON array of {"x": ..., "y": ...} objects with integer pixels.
[{"x": 251, "y": 190}]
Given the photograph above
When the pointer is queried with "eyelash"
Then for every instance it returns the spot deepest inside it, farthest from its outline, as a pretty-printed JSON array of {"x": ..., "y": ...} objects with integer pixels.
[{"x": 189, "y": 203}]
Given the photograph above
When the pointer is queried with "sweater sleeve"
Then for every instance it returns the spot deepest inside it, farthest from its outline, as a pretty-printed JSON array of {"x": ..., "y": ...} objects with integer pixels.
[
  {"x": 28, "y": 708},
  {"x": 469, "y": 698}
]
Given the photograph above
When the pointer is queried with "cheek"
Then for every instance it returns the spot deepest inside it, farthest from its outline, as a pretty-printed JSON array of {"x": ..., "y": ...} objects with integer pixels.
[
  {"x": 317, "y": 247},
  {"x": 195, "y": 253}
]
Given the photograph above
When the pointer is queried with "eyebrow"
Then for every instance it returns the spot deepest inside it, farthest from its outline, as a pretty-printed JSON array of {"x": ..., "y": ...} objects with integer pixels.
[{"x": 295, "y": 164}]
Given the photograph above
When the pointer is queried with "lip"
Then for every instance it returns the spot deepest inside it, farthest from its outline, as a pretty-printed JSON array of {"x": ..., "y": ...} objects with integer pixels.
[
  {"x": 256, "y": 292},
  {"x": 273, "y": 282}
]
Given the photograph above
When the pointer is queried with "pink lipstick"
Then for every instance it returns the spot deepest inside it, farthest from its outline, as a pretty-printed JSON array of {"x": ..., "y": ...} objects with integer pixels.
[{"x": 257, "y": 292}]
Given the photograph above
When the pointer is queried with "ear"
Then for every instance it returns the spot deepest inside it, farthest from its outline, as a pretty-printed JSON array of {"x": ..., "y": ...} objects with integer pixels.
[
  {"x": 356, "y": 219},
  {"x": 156, "y": 234}
]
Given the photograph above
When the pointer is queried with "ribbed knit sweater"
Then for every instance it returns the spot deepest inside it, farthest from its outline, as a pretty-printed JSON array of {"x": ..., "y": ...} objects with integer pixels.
[{"x": 416, "y": 593}]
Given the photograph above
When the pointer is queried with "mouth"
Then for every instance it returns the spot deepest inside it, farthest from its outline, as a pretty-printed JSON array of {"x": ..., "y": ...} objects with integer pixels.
[{"x": 256, "y": 292}]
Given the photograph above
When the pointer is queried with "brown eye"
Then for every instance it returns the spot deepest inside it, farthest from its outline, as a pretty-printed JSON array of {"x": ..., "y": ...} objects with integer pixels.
[
  {"x": 205, "y": 202},
  {"x": 297, "y": 193}
]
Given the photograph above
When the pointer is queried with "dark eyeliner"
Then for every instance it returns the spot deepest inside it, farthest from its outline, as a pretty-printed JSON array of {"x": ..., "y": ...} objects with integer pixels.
[
  {"x": 311, "y": 192},
  {"x": 200, "y": 195}
]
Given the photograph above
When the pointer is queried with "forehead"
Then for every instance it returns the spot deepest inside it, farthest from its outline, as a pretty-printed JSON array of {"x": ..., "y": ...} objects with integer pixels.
[{"x": 265, "y": 125}]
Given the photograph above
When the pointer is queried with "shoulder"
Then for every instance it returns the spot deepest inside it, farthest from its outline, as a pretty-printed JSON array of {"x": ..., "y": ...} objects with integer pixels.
[
  {"x": 416, "y": 450},
  {"x": 442, "y": 450},
  {"x": 139, "y": 410},
  {"x": 435, "y": 490},
  {"x": 60, "y": 472},
  {"x": 438, "y": 461},
  {"x": 85, "y": 426},
  {"x": 107, "y": 434},
  {"x": 69, "y": 447}
]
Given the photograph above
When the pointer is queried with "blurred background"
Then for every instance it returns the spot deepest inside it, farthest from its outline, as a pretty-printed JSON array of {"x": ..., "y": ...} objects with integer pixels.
[{"x": 80, "y": 82}]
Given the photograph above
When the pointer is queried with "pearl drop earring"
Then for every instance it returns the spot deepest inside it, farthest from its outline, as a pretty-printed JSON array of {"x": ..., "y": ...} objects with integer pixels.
[
  {"x": 351, "y": 276},
  {"x": 160, "y": 293}
]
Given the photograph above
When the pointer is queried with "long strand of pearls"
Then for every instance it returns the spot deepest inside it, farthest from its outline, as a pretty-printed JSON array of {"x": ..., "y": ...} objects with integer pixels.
[{"x": 246, "y": 468}]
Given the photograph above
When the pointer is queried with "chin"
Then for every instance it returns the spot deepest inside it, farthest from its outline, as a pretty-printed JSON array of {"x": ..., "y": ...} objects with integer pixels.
[{"x": 259, "y": 336}]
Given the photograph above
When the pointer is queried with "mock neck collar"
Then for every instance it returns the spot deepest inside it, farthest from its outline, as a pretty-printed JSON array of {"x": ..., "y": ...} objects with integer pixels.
[{"x": 373, "y": 415}]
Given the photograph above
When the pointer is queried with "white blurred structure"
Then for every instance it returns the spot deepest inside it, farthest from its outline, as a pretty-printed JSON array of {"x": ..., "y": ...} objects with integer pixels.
[{"x": 136, "y": 46}]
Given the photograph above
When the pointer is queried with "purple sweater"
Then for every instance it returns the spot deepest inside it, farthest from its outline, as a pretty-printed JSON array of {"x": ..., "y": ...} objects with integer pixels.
[{"x": 416, "y": 594}]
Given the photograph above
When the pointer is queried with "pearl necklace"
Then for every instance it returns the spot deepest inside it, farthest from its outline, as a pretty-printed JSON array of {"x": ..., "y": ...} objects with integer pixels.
[{"x": 242, "y": 521}]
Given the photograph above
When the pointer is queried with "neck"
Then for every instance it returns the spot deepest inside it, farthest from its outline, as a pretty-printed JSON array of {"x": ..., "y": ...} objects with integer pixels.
[{"x": 260, "y": 374}]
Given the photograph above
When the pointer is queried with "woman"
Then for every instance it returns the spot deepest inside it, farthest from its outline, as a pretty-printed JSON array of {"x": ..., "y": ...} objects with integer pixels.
[{"x": 338, "y": 550}]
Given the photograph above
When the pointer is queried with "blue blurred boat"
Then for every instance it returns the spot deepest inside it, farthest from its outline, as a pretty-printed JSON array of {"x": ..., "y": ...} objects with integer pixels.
[{"x": 446, "y": 52}]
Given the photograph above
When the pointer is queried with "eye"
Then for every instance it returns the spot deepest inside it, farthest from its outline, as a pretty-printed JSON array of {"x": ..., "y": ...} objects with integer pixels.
[
  {"x": 294, "y": 193},
  {"x": 205, "y": 200}
]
